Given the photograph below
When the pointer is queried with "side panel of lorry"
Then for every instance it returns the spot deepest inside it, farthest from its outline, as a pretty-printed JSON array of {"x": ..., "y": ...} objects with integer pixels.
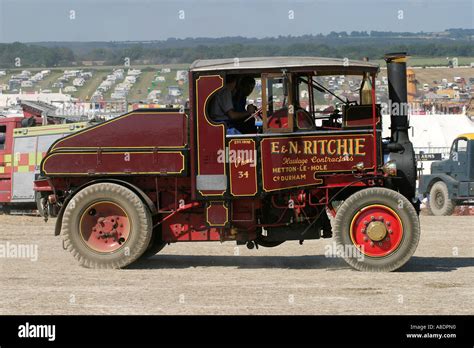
[
  {"x": 23, "y": 159},
  {"x": 6, "y": 132},
  {"x": 27, "y": 155}
]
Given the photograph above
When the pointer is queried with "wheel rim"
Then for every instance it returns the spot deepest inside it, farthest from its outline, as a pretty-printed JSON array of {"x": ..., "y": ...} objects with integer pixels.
[
  {"x": 104, "y": 227},
  {"x": 376, "y": 230},
  {"x": 439, "y": 199}
]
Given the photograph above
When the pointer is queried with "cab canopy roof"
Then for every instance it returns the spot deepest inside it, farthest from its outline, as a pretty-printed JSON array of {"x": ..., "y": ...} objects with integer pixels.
[{"x": 321, "y": 65}]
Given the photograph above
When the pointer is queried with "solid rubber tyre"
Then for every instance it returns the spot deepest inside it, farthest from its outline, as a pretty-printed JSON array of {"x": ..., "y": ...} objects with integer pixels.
[
  {"x": 439, "y": 202},
  {"x": 402, "y": 211},
  {"x": 140, "y": 224},
  {"x": 156, "y": 244}
]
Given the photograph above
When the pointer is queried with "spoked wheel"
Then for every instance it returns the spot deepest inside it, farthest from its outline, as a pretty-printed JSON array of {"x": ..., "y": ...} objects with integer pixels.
[
  {"x": 376, "y": 230},
  {"x": 106, "y": 226}
]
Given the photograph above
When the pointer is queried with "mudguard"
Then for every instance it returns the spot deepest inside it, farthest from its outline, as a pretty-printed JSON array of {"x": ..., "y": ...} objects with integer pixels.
[{"x": 426, "y": 181}]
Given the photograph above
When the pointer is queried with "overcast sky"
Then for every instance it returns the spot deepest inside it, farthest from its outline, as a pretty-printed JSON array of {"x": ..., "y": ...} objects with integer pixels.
[{"x": 121, "y": 20}]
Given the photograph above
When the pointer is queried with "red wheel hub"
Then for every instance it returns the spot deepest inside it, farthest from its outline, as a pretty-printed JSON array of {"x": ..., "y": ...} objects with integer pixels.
[
  {"x": 104, "y": 227},
  {"x": 376, "y": 230}
]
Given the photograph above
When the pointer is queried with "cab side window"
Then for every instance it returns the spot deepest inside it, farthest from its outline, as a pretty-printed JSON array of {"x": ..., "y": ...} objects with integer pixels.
[
  {"x": 462, "y": 145},
  {"x": 277, "y": 107},
  {"x": 459, "y": 148},
  {"x": 276, "y": 98}
]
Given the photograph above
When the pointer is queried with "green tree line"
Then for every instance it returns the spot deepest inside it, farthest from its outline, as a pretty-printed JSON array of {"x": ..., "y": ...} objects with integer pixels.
[{"x": 34, "y": 55}]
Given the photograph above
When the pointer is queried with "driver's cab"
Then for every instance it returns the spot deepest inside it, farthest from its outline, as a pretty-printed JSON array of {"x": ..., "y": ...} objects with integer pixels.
[
  {"x": 292, "y": 97},
  {"x": 287, "y": 102}
]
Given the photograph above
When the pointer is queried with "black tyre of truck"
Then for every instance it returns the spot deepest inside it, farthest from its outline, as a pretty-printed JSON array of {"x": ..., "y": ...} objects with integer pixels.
[
  {"x": 156, "y": 244},
  {"x": 40, "y": 200},
  {"x": 4, "y": 209},
  {"x": 263, "y": 241},
  {"x": 376, "y": 230},
  {"x": 439, "y": 202},
  {"x": 106, "y": 226}
]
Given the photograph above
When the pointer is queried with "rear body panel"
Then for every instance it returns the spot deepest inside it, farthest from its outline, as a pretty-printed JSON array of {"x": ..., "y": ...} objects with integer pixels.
[{"x": 145, "y": 142}]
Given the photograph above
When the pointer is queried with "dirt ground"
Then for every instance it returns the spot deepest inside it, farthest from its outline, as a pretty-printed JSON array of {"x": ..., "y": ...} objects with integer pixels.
[{"x": 214, "y": 278}]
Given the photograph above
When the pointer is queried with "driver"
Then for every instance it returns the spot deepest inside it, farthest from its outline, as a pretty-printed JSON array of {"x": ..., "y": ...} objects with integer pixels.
[{"x": 222, "y": 107}]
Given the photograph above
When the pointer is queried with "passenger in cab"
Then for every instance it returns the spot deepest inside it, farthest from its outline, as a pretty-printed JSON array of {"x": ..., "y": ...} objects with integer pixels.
[{"x": 245, "y": 86}]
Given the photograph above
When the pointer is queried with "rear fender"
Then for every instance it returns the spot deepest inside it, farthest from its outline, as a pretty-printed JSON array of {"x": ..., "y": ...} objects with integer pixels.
[{"x": 430, "y": 180}]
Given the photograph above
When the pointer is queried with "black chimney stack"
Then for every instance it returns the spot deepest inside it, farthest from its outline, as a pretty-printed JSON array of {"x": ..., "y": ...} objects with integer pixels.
[
  {"x": 400, "y": 147},
  {"x": 397, "y": 93}
]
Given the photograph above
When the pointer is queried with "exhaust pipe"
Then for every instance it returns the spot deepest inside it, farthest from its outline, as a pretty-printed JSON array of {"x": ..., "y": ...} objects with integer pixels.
[
  {"x": 397, "y": 93},
  {"x": 400, "y": 147}
]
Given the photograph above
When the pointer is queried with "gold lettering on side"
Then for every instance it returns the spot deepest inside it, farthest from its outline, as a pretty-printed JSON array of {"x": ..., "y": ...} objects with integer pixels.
[
  {"x": 359, "y": 146},
  {"x": 275, "y": 148},
  {"x": 342, "y": 147},
  {"x": 351, "y": 146},
  {"x": 293, "y": 147},
  {"x": 331, "y": 151},
  {"x": 323, "y": 146}
]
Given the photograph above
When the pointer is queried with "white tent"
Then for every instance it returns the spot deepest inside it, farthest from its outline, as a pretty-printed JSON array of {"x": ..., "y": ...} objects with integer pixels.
[{"x": 434, "y": 131}]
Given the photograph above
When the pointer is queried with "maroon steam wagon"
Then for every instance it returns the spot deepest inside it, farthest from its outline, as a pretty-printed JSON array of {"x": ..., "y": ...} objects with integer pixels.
[{"x": 129, "y": 186}]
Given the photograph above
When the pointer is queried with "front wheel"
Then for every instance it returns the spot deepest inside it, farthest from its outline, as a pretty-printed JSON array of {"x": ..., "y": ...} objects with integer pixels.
[
  {"x": 263, "y": 241},
  {"x": 376, "y": 230},
  {"x": 106, "y": 226},
  {"x": 439, "y": 202}
]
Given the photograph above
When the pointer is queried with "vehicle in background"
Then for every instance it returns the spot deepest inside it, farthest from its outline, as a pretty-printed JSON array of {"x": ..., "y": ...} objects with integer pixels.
[
  {"x": 451, "y": 182},
  {"x": 23, "y": 144}
]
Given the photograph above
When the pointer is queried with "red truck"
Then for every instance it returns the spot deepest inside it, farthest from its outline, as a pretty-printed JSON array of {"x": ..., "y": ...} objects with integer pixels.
[{"x": 131, "y": 185}]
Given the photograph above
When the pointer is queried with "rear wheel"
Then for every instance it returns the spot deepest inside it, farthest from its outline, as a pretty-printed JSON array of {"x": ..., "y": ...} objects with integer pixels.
[
  {"x": 263, "y": 241},
  {"x": 439, "y": 202},
  {"x": 106, "y": 226},
  {"x": 4, "y": 209},
  {"x": 156, "y": 244},
  {"x": 376, "y": 230},
  {"x": 40, "y": 203}
]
